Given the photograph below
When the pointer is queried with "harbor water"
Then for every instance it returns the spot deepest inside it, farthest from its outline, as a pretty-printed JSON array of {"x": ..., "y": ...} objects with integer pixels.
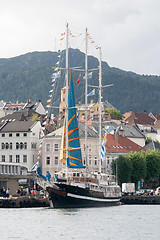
[{"x": 121, "y": 222}]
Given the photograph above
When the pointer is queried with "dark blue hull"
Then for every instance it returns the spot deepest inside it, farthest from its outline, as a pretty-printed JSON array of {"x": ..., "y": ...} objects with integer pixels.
[{"x": 76, "y": 197}]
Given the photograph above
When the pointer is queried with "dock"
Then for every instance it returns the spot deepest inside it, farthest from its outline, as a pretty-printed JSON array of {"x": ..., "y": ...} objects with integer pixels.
[
  {"x": 143, "y": 199},
  {"x": 24, "y": 202}
]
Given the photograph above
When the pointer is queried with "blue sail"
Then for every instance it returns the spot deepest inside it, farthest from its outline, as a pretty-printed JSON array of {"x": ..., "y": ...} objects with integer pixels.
[{"x": 74, "y": 151}]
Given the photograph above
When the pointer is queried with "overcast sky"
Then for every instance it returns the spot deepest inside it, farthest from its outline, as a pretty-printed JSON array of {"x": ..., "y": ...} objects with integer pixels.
[{"x": 128, "y": 31}]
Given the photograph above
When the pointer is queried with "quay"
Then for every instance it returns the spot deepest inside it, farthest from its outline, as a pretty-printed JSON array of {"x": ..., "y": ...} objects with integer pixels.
[
  {"x": 24, "y": 202},
  {"x": 143, "y": 199}
]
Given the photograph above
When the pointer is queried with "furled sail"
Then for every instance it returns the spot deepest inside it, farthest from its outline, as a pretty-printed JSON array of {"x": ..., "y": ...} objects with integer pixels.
[{"x": 74, "y": 151}]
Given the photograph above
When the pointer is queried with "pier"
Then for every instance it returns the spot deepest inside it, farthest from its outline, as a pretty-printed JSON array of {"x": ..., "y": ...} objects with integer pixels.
[{"x": 143, "y": 199}]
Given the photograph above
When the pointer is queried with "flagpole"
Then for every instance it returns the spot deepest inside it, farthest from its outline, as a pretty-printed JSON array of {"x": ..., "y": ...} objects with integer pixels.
[
  {"x": 86, "y": 73},
  {"x": 100, "y": 107},
  {"x": 66, "y": 76}
]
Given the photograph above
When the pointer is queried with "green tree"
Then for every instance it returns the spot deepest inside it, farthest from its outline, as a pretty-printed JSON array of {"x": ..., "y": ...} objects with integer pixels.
[
  {"x": 35, "y": 117},
  {"x": 153, "y": 165},
  {"x": 114, "y": 113},
  {"x": 148, "y": 140}
]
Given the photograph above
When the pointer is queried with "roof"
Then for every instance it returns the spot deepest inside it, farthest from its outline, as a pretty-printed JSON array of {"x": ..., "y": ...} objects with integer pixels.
[
  {"x": 121, "y": 145},
  {"x": 152, "y": 146},
  {"x": 16, "y": 116},
  {"x": 17, "y": 126},
  {"x": 139, "y": 118}
]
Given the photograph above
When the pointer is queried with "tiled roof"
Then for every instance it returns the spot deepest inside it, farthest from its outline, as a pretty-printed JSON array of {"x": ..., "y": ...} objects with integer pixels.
[
  {"x": 139, "y": 118},
  {"x": 17, "y": 126},
  {"x": 121, "y": 145}
]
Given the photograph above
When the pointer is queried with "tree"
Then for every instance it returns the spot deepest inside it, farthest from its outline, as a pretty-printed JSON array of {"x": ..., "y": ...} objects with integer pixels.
[
  {"x": 114, "y": 113},
  {"x": 148, "y": 140},
  {"x": 153, "y": 165},
  {"x": 35, "y": 117},
  {"x": 123, "y": 165},
  {"x": 138, "y": 166}
]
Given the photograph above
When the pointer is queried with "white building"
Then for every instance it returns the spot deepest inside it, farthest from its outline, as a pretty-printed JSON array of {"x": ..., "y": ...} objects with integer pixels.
[{"x": 19, "y": 146}]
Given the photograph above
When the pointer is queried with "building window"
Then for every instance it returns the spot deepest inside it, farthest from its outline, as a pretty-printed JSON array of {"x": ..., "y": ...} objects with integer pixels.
[
  {"x": 47, "y": 160},
  {"x": 56, "y": 160},
  {"x": 33, "y": 145},
  {"x": 10, "y": 134},
  {"x": 21, "y": 145},
  {"x": 7, "y": 146},
  {"x": 25, "y": 145},
  {"x": 2, "y": 145},
  {"x": 10, "y": 158},
  {"x": 90, "y": 158},
  {"x": 56, "y": 147},
  {"x": 48, "y": 147},
  {"x": 17, "y": 158},
  {"x": 16, "y": 169},
  {"x": 25, "y": 134},
  {"x": 9, "y": 169},
  {"x": 95, "y": 160},
  {"x": 17, "y": 134},
  {"x": 3, "y": 158},
  {"x": 25, "y": 158},
  {"x": 10, "y": 145},
  {"x": 12, "y": 169},
  {"x": 3, "y": 134},
  {"x": 17, "y": 145},
  {"x": 2, "y": 168},
  {"x": 6, "y": 169}
]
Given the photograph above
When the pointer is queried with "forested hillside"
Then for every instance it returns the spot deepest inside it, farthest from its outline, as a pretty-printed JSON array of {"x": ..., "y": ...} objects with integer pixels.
[{"x": 29, "y": 75}]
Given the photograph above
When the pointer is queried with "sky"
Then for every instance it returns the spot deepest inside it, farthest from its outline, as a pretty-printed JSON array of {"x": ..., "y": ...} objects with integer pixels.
[{"x": 127, "y": 31}]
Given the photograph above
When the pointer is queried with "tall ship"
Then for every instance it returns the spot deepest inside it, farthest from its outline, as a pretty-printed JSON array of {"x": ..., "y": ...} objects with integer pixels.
[{"x": 75, "y": 186}]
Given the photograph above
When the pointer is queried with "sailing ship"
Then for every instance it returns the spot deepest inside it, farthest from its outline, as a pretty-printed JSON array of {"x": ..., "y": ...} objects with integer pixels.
[{"x": 76, "y": 186}]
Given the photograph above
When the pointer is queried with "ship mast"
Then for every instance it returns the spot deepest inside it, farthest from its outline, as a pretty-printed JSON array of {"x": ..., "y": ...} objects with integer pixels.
[
  {"x": 66, "y": 78},
  {"x": 100, "y": 106},
  {"x": 86, "y": 76}
]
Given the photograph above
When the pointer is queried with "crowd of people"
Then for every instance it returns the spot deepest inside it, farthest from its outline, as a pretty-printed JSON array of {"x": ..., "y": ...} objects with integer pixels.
[{"x": 5, "y": 192}]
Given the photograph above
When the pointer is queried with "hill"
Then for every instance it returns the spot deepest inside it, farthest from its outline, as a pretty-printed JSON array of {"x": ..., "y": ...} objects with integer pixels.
[{"x": 29, "y": 75}]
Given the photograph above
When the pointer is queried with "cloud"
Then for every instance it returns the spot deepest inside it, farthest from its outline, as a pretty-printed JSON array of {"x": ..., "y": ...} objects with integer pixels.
[{"x": 127, "y": 31}]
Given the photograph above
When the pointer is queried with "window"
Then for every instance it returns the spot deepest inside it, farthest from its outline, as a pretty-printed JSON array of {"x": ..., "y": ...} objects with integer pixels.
[
  {"x": 2, "y": 145},
  {"x": 21, "y": 145},
  {"x": 47, "y": 160},
  {"x": 25, "y": 145},
  {"x": 56, "y": 147},
  {"x": 17, "y": 134},
  {"x": 10, "y": 145},
  {"x": 90, "y": 157},
  {"x": 16, "y": 169},
  {"x": 25, "y": 134},
  {"x": 9, "y": 169},
  {"x": 48, "y": 147},
  {"x": 17, "y": 145},
  {"x": 3, "y": 134},
  {"x": 33, "y": 145},
  {"x": 6, "y": 169},
  {"x": 95, "y": 160},
  {"x": 2, "y": 168},
  {"x": 3, "y": 158},
  {"x": 17, "y": 158},
  {"x": 12, "y": 169},
  {"x": 7, "y": 146},
  {"x": 10, "y": 134},
  {"x": 56, "y": 160},
  {"x": 10, "y": 158},
  {"x": 24, "y": 158}
]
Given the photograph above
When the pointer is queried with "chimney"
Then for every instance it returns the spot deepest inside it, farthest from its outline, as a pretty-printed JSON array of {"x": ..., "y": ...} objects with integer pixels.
[
  {"x": 145, "y": 112},
  {"x": 91, "y": 101},
  {"x": 79, "y": 102},
  {"x": 121, "y": 131}
]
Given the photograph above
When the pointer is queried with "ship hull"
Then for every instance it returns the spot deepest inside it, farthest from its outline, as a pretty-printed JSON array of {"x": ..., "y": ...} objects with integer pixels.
[{"x": 76, "y": 197}]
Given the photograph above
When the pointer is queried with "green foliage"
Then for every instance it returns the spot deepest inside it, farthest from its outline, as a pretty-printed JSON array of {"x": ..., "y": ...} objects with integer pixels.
[
  {"x": 148, "y": 140},
  {"x": 137, "y": 166},
  {"x": 35, "y": 117},
  {"x": 114, "y": 113}
]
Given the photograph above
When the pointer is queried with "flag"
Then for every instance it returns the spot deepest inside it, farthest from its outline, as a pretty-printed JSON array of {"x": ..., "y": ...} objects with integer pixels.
[
  {"x": 48, "y": 100},
  {"x": 103, "y": 151},
  {"x": 79, "y": 78},
  {"x": 52, "y": 85},
  {"x": 34, "y": 168},
  {"x": 89, "y": 75},
  {"x": 51, "y": 91},
  {"x": 91, "y": 93}
]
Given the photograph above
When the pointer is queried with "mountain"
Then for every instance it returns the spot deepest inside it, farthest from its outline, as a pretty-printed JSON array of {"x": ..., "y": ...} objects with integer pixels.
[{"x": 29, "y": 75}]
